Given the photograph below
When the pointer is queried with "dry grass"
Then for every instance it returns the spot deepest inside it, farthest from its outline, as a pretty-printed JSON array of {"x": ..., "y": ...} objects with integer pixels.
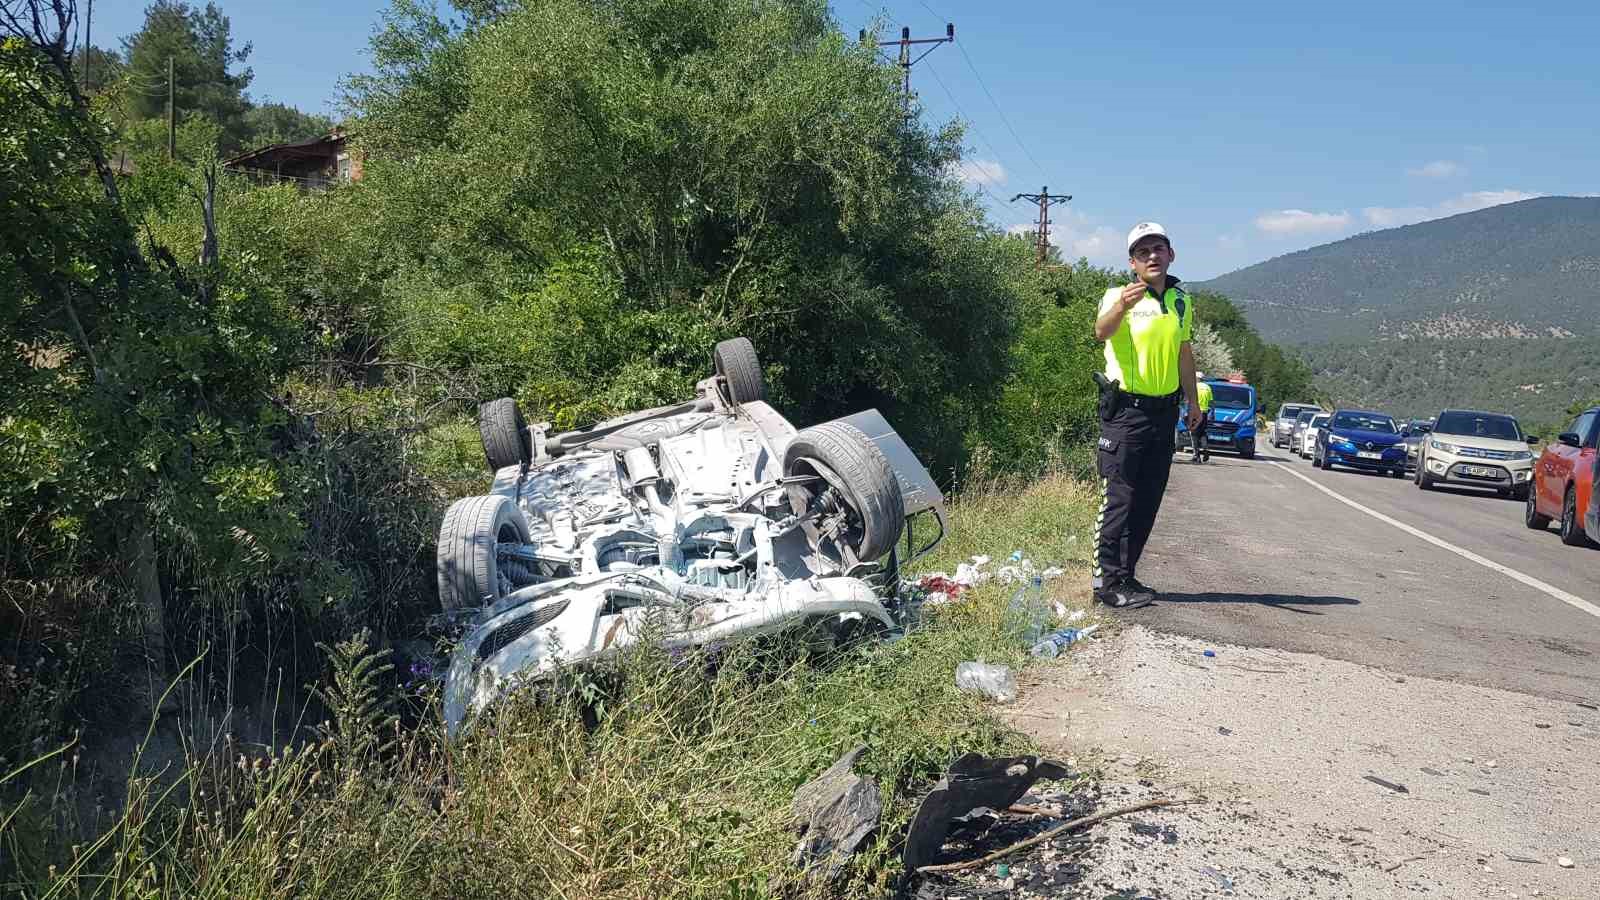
[{"x": 668, "y": 778}]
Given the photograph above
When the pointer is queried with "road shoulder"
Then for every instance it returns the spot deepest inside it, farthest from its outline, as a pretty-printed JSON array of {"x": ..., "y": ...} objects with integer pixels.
[{"x": 1284, "y": 747}]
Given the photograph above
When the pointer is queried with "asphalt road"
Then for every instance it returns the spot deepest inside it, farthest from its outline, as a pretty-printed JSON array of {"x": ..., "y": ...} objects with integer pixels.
[{"x": 1244, "y": 552}]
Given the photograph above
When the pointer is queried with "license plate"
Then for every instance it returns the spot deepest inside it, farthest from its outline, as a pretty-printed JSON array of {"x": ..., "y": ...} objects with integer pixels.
[
  {"x": 1479, "y": 471},
  {"x": 1370, "y": 454}
]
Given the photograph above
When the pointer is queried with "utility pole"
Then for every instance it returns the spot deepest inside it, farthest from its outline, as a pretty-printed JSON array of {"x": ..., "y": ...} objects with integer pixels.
[
  {"x": 905, "y": 62},
  {"x": 1044, "y": 199},
  {"x": 88, "y": 44},
  {"x": 172, "y": 120}
]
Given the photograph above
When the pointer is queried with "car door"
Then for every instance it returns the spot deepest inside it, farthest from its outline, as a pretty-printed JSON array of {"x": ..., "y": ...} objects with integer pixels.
[
  {"x": 1559, "y": 461},
  {"x": 1584, "y": 465}
]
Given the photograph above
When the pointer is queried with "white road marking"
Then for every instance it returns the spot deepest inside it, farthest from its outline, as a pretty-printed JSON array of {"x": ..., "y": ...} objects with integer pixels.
[{"x": 1571, "y": 600}]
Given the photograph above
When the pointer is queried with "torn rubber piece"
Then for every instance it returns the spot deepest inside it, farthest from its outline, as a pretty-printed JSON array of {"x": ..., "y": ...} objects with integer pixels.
[{"x": 972, "y": 781}]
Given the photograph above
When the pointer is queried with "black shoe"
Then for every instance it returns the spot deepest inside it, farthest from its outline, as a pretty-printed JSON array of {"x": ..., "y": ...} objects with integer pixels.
[
  {"x": 1124, "y": 595},
  {"x": 1138, "y": 586}
]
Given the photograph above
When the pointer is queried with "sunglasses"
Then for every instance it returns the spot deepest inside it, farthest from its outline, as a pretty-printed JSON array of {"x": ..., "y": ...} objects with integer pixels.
[{"x": 1146, "y": 251}]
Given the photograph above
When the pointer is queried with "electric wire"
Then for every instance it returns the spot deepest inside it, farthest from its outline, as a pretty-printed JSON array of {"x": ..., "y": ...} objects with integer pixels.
[
  {"x": 975, "y": 130},
  {"x": 1003, "y": 118}
]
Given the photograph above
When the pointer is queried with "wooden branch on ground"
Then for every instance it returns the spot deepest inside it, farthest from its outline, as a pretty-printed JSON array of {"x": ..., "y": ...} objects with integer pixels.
[{"x": 1043, "y": 836}]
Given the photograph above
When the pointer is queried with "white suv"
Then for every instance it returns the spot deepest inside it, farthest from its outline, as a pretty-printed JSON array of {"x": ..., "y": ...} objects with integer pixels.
[{"x": 1479, "y": 449}]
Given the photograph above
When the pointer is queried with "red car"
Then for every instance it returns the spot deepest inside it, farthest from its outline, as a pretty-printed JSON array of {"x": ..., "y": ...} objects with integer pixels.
[{"x": 1563, "y": 483}]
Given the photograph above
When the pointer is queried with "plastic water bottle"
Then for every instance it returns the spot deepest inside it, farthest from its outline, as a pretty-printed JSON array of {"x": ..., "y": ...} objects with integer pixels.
[
  {"x": 1052, "y": 644},
  {"x": 1027, "y": 615},
  {"x": 994, "y": 682}
]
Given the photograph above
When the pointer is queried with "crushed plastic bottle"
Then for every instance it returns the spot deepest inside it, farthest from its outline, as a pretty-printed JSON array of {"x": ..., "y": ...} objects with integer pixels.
[
  {"x": 994, "y": 682},
  {"x": 1052, "y": 644}
]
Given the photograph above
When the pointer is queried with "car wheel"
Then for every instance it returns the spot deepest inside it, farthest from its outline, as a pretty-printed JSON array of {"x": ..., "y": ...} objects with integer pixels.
[
  {"x": 1520, "y": 492},
  {"x": 1424, "y": 482},
  {"x": 1530, "y": 512},
  {"x": 735, "y": 360},
  {"x": 468, "y": 563},
  {"x": 506, "y": 441},
  {"x": 1571, "y": 526},
  {"x": 1248, "y": 451},
  {"x": 857, "y": 482}
]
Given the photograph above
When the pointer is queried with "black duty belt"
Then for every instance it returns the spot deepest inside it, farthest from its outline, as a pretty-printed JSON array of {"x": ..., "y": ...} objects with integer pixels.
[{"x": 1145, "y": 401}]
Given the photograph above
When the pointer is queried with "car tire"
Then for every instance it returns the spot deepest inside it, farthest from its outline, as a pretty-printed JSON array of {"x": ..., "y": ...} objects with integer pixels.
[
  {"x": 853, "y": 466},
  {"x": 1530, "y": 512},
  {"x": 1248, "y": 451},
  {"x": 468, "y": 565},
  {"x": 735, "y": 360},
  {"x": 1571, "y": 525},
  {"x": 506, "y": 441},
  {"x": 1424, "y": 481},
  {"x": 1520, "y": 492}
]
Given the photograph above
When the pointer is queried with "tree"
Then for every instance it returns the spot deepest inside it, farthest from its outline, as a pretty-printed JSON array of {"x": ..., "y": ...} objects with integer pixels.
[
  {"x": 693, "y": 170},
  {"x": 206, "y": 79},
  {"x": 1211, "y": 355},
  {"x": 277, "y": 123},
  {"x": 133, "y": 415},
  {"x": 98, "y": 68}
]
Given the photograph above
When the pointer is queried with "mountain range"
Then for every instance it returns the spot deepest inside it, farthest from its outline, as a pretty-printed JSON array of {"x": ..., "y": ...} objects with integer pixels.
[
  {"x": 1523, "y": 270},
  {"x": 1497, "y": 308}
]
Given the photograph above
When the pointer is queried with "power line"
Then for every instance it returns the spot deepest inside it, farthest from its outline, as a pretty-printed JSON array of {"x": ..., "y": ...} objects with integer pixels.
[
  {"x": 975, "y": 130},
  {"x": 997, "y": 109},
  {"x": 996, "y": 104}
]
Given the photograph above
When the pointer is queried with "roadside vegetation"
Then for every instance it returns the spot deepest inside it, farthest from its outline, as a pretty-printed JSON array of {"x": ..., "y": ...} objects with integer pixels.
[
  {"x": 233, "y": 414},
  {"x": 670, "y": 776}
]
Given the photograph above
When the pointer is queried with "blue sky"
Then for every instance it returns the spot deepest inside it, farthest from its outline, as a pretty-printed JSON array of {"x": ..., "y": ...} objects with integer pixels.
[{"x": 1248, "y": 129}]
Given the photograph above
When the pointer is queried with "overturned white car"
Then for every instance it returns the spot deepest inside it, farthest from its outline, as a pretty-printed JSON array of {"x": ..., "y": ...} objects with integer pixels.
[{"x": 685, "y": 524}]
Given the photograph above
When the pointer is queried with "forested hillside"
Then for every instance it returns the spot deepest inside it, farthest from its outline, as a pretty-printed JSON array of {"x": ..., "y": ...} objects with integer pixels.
[
  {"x": 1536, "y": 380},
  {"x": 1526, "y": 269}
]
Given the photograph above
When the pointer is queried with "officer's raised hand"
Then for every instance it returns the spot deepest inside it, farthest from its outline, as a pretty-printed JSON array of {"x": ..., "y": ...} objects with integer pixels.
[{"x": 1132, "y": 294}]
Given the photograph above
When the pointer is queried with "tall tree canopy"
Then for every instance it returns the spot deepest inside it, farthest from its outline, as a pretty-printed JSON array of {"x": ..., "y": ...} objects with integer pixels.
[{"x": 209, "y": 75}]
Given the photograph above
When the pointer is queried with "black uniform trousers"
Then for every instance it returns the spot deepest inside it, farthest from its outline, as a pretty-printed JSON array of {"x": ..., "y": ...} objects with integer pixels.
[
  {"x": 1197, "y": 436},
  {"x": 1134, "y": 459}
]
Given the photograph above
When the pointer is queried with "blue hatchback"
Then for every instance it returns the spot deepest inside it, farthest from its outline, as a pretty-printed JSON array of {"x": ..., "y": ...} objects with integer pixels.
[{"x": 1361, "y": 440}]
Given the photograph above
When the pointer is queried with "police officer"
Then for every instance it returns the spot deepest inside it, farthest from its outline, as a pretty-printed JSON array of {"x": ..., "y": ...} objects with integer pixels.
[
  {"x": 1197, "y": 436},
  {"x": 1146, "y": 326}
]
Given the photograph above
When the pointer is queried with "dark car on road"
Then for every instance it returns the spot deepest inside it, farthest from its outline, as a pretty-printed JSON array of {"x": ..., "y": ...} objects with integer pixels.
[
  {"x": 1414, "y": 432},
  {"x": 1361, "y": 439}
]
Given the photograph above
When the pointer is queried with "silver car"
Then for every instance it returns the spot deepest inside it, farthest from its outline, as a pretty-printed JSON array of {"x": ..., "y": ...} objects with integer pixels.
[
  {"x": 683, "y": 525},
  {"x": 1481, "y": 449},
  {"x": 1283, "y": 425},
  {"x": 1297, "y": 434}
]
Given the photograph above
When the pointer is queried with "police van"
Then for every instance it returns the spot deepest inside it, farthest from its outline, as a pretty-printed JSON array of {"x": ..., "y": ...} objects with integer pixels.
[{"x": 1234, "y": 406}]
